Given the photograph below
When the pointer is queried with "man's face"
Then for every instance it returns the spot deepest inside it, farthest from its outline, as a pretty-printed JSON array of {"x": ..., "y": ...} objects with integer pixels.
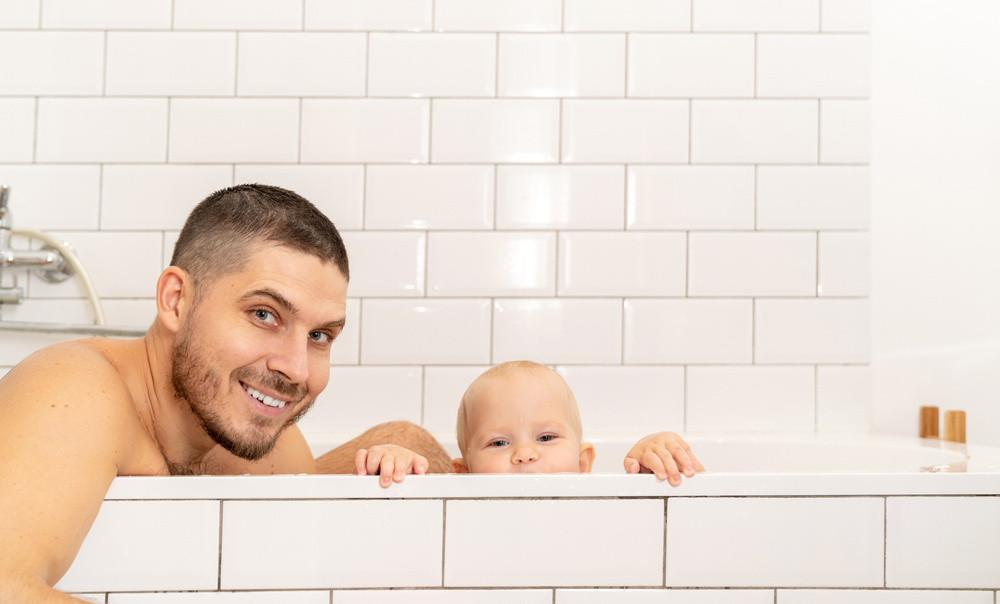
[
  {"x": 522, "y": 423},
  {"x": 254, "y": 352}
]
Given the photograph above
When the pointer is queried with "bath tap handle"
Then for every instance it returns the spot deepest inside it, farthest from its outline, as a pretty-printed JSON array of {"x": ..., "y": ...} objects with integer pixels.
[{"x": 4, "y": 194}]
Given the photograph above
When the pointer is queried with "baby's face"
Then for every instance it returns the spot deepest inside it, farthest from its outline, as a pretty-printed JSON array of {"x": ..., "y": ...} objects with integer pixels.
[{"x": 523, "y": 423}]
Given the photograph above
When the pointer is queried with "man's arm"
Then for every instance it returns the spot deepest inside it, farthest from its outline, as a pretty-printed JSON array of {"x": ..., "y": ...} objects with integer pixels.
[{"x": 63, "y": 431}]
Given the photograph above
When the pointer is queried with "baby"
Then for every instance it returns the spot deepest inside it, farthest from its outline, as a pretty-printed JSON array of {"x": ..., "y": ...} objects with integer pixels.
[{"x": 522, "y": 417}]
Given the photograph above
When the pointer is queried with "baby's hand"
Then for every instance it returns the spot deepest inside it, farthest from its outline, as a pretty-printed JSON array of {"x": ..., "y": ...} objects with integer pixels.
[
  {"x": 664, "y": 454},
  {"x": 391, "y": 462}
]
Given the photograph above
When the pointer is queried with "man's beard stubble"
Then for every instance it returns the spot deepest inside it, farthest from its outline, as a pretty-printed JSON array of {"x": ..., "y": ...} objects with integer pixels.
[{"x": 197, "y": 384}]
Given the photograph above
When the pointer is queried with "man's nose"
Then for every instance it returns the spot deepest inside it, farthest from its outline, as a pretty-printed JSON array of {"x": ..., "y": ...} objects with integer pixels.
[
  {"x": 291, "y": 360},
  {"x": 525, "y": 454}
]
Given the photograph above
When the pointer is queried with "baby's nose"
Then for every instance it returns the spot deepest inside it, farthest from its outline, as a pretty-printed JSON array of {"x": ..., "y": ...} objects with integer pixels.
[{"x": 525, "y": 454}]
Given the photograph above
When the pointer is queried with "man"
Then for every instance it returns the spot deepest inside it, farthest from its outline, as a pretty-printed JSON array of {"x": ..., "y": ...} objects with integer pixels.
[{"x": 246, "y": 314}]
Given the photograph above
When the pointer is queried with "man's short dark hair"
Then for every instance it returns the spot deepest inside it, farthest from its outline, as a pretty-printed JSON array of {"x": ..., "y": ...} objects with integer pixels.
[{"x": 222, "y": 231}]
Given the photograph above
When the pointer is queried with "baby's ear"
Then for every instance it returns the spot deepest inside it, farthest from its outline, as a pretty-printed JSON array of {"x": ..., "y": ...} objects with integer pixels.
[
  {"x": 458, "y": 466},
  {"x": 587, "y": 455}
]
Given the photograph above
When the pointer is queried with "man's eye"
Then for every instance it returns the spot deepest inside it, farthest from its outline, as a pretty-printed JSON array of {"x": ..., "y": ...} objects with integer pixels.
[
  {"x": 498, "y": 443},
  {"x": 320, "y": 337},
  {"x": 546, "y": 437},
  {"x": 264, "y": 316}
]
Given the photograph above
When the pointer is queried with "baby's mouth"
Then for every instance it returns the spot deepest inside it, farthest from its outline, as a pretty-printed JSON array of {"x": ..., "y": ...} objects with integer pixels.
[{"x": 270, "y": 402}]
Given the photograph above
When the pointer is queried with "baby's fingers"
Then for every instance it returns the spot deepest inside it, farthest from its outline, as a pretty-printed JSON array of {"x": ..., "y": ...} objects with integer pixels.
[
  {"x": 632, "y": 465},
  {"x": 361, "y": 462},
  {"x": 663, "y": 466}
]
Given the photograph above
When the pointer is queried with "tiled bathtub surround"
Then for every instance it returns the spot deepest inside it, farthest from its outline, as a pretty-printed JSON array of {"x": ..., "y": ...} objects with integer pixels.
[
  {"x": 717, "y": 539},
  {"x": 672, "y": 193}
]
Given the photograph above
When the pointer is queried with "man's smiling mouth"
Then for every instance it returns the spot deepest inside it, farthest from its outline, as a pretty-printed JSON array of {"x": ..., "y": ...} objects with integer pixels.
[{"x": 270, "y": 402}]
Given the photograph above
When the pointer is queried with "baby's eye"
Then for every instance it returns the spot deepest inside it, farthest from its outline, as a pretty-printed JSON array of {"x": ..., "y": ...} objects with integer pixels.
[
  {"x": 497, "y": 443},
  {"x": 546, "y": 437}
]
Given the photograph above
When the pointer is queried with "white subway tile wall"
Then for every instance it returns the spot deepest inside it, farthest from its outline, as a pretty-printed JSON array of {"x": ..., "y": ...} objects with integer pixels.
[{"x": 654, "y": 196}]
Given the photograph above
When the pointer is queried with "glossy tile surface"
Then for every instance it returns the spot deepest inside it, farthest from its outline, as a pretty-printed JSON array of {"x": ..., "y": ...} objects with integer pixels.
[
  {"x": 171, "y": 191},
  {"x": 560, "y": 197},
  {"x": 559, "y": 65},
  {"x": 549, "y": 330},
  {"x": 387, "y": 263},
  {"x": 278, "y": 64},
  {"x": 752, "y": 264},
  {"x": 491, "y": 264},
  {"x": 365, "y": 130},
  {"x": 101, "y": 130},
  {"x": 429, "y": 197},
  {"x": 750, "y": 398},
  {"x": 756, "y": 15},
  {"x": 518, "y": 131},
  {"x": 425, "y": 331},
  {"x": 750, "y": 132},
  {"x": 639, "y": 131},
  {"x": 171, "y": 63},
  {"x": 690, "y": 197},
  {"x": 73, "y": 63},
  {"x": 688, "y": 331},
  {"x": 628, "y": 15},
  {"x": 423, "y": 65},
  {"x": 812, "y": 331},
  {"x": 691, "y": 65},
  {"x": 811, "y": 197},
  {"x": 497, "y": 15},
  {"x": 579, "y": 551},
  {"x": 630, "y": 264},
  {"x": 792, "y": 65},
  {"x": 234, "y": 130}
]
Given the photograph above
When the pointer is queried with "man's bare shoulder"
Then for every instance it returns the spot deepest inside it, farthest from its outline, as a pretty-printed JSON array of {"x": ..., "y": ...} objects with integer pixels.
[{"x": 75, "y": 390}]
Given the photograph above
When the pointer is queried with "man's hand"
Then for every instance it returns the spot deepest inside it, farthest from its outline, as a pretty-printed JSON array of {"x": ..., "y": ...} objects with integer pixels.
[
  {"x": 664, "y": 454},
  {"x": 391, "y": 462}
]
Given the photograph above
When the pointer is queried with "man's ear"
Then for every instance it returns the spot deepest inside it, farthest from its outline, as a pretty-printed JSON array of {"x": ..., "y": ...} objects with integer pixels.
[
  {"x": 174, "y": 290},
  {"x": 587, "y": 454},
  {"x": 458, "y": 466}
]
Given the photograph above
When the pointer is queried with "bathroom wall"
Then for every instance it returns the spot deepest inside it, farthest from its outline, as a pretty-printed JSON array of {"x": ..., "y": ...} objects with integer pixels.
[{"x": 667, "y": 200}]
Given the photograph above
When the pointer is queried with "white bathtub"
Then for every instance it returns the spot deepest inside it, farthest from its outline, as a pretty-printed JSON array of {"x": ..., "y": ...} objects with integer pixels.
[{"x": 788, "y": 518}]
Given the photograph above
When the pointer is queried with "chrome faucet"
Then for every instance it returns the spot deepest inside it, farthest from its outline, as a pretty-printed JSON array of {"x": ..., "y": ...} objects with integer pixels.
[{"x": 48, "y": 263}]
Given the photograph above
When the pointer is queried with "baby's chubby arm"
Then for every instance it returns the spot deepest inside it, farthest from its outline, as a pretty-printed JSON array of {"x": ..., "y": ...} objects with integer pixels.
[
  {"x": 664, "y": 454},
  {"x": 391, "y": 462}
]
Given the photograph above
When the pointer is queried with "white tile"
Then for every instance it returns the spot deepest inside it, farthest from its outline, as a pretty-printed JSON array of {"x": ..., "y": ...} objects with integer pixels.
[
  {"x": 106, "y": 14},
  {"x": 688, "y": 331},
  {"x": 750, "y": 132},
  {"x": 846, "y": 15},
  {"x": 622, "y": 264},
  {"x": 497, "y": 15},
  {"x": 424, "y": 65},
  {"x": 366, "y": 130},
  {"x": 756, "y": 15},
  {"x": 813, "y": 197},
  {"x": 336, "y": 190},
  {"x": 440, "y": 596},
  {"x": 813, "y": 65},
  {"x": 942, "y": 542},
  {"x": 318, "y": 531},
  {"x": 247, "y": 597},
  {"x": 752, "y": 264},
  {"x": 386, "y": 263},
  {"x": 845, "y": 132},
  {"x": 425, "y": 331},
  {"x": 171, "y": 64},
  {"x": 122, "y": 265},
  {"x": 561, "y": 65},
  {"x": 346, "y": 349},
  {"x": 19, "y": 14},
  {"x": 549, "y": 330},
  {"x": 886, "y": 596},
  {"x": 156, "y": 197},
  {"x": 48, "y": 310},
  {"x": 102, "y": 130},
  {"x": 238, "y": 14},
  {"x": 660, "y": 596},
  {"x": 634, "y": 131},
  {"x": 691, "y": 65},
  {"x": 844, "y": 264},
  {"x": 843, "y": 398},
  {"x": 491, "y": 264},
  {"x": 646, "y": 399},
  {"x": 285, "y": 64},
  {"x": 443, "y": 390},
  {"x": 96, "y": 598},
  {"x": 436, "y": 197},
  {"x": 508, "y": 131},
  {"x": 812, "y": 331},
  {"x": 234, "y": 130},
  {"x": 770, "y": 542},
  {"x": 51, "y": 63},
  {"x": 361, "y": 397},
  {"x": 148, "y": 546},
  {"x": 578, "y": 550},
  {"x": 560, "y": 197},
  {"x": 690, "y": 197},
  {"x": 628, "y": 15},
  {"x": 751, "y": 398},
  {"x": 130, "y": 312},
  {"x": 17, "y": 122},
  {"x": 364, "y": 15},
  {"x": 53, "y": 196}
]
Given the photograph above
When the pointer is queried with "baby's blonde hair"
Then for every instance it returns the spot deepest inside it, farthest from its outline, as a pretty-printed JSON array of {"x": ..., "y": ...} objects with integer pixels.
[{"x": 500, "y": 371}]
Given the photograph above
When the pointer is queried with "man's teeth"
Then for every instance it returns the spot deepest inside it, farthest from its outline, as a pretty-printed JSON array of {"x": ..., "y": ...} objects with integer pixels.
[{"x": 270, "y": 402}]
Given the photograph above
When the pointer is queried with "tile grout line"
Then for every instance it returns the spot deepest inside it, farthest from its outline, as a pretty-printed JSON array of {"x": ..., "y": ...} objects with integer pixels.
[
  {"x": 219, "y": 575},
  {"x": 444, "y": 536}
]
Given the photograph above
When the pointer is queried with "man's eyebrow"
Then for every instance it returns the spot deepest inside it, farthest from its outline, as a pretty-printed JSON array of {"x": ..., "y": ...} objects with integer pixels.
[
  {"x": 287, "y": 304},
  {"x": 273, "y": 295}
]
